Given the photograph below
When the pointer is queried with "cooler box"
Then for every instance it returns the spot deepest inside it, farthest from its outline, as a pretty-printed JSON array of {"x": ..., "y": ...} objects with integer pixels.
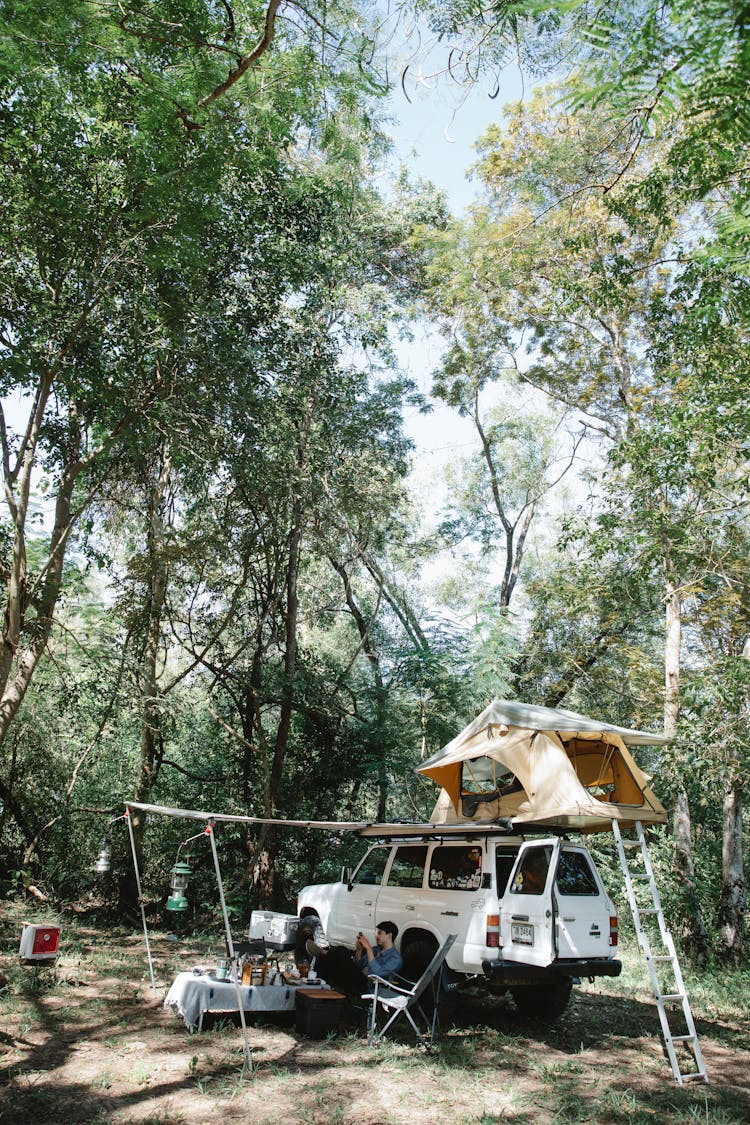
[
  {"x": 278, "y": 931},
  {"x": 318, "y": 1011},
  {"x": 39, "y": 943}
]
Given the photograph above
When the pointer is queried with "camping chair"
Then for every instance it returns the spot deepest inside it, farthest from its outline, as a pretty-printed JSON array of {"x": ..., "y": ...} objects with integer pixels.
[{"x": 400, "y": 1001}]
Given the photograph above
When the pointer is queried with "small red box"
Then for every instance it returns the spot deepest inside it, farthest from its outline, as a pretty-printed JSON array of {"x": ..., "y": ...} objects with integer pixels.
[{"x": 39, "y": 943}]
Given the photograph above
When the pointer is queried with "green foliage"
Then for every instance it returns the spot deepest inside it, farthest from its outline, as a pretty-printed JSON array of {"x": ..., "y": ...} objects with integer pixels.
[{"x": 200, "y": 294}]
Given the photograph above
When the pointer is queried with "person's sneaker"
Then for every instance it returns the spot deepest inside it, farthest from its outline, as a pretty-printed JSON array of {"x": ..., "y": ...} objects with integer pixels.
[{"x": 316, "y": 949}]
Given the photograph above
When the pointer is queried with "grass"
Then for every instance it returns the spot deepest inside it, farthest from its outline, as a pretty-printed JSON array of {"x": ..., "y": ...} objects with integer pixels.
[{"x": 86, "y": 1042}]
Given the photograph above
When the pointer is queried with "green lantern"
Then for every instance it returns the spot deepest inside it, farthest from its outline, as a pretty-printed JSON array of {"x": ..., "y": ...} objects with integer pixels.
[{"x": 180, "y": 878}]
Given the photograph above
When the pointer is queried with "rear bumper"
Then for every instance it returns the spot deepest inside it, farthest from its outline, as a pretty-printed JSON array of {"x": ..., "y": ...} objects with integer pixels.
[{"x": 512, "y": 972}]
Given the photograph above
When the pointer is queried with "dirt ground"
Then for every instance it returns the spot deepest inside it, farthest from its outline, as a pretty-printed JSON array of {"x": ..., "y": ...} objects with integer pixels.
[{"x": 88, "y": 1041}]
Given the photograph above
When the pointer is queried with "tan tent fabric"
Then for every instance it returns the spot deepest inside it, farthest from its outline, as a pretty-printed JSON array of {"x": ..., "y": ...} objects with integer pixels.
[{"x": 565, "y": 770}]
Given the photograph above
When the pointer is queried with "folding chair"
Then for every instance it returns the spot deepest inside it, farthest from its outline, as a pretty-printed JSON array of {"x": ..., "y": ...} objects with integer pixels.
[{"x": 399, "y": 1001}]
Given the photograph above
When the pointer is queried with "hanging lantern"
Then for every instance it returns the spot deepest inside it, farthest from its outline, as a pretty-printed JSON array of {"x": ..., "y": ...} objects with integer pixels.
[
  {"x": 104, "y": 859},
  {"x": 181, "y": 873}
]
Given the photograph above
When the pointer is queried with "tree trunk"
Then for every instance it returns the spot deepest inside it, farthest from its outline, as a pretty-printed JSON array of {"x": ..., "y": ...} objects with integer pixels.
[
  {"x": 380, "y": 689},
  {"x": 694, "y": 934},
  {"x": 20, "y": 657},
  {"x": 733, "y": 886},
  {"x": 151, "y": 735},
  {"x": 732, "y": 903},
  {"x": 266, "y": 867}
]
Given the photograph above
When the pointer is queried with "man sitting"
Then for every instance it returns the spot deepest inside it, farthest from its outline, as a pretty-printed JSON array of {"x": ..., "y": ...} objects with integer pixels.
[{"x": 349, "y": 972}]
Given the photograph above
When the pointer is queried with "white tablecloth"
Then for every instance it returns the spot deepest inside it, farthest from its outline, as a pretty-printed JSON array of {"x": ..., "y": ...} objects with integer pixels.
[{"x": 191, "y": 996}]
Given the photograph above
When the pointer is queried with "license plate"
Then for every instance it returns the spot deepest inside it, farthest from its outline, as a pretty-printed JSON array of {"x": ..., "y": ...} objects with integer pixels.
[{"x": 521, "y": 933}]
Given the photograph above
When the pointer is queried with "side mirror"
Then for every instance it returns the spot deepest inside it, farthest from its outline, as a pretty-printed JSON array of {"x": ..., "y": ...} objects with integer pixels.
[{"x": 346, "y": 876}]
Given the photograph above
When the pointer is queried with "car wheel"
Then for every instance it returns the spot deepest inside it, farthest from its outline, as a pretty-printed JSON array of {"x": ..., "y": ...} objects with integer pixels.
[
  {"x": 543, "y": 1002},
  {"x": 417, "y": 957}
]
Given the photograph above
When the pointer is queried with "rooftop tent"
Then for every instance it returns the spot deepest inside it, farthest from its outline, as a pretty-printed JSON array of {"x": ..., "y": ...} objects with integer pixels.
[{"x": 542, "y": 765}]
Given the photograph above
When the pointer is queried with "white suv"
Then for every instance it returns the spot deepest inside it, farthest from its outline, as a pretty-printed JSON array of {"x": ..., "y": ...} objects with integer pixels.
[{"x": 530, "y": 915}]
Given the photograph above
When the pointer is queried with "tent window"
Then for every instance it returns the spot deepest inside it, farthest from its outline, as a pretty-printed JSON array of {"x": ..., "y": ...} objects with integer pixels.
[
  {"x": 484, "y": 780},
  {"x": 603, "y": 773},
  {"x": 485, "y": 776},
  {"x": 456, "y": 868},
  {"x": 407, "y": 869}
]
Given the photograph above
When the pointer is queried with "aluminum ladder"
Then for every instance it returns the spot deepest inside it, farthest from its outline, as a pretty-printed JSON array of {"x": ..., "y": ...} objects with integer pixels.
[{"x": 664, "y": 959}]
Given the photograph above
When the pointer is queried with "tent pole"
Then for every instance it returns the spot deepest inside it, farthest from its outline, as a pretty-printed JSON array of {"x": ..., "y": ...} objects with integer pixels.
[
  {"x": 230, "y": 945},
  {"x": 140, "y": 900}
]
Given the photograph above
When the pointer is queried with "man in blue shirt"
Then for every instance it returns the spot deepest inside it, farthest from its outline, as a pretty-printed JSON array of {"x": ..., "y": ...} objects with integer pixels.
[{"x": 348, "y": 973}]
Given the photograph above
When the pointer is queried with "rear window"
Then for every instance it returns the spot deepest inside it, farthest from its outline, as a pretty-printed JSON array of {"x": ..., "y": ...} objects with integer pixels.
[
  {"x": 574, "y": 875},
  {"x": 456, "y": 869},
  {"x": 407, "y": 869},
  {"x": 531, "y": 876}
]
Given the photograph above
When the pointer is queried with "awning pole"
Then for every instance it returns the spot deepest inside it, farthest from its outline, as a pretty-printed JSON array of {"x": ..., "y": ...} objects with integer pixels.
[
  {"x": 230, "y": 946},
  {"x": 140, "y": 900}
]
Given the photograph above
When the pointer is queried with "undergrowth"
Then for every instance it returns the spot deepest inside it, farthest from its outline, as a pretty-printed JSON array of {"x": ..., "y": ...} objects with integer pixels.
[{"x": 600, "y": 1064}]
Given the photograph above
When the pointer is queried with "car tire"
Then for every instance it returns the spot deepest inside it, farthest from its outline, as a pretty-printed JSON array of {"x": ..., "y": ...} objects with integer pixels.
[
  {"x": 417, "y": 957},
  {"x": 543, "y": 1002}
]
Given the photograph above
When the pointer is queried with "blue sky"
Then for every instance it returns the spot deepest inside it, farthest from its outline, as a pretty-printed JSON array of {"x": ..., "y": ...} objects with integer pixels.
[
  {"x": 434, "y": 136},
  {"x": 435, "y": 132}
]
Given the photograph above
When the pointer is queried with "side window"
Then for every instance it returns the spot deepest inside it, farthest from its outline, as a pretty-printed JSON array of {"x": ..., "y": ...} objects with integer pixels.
[
  {"x": 372, "y": 866},
  {"x": 407, "y": 869},
  {"x": 574, "y": 875},
  {"x": 505, "y": 859},
  {"x": 457, "y": 869},
  {"x": 532, "y": 874}
]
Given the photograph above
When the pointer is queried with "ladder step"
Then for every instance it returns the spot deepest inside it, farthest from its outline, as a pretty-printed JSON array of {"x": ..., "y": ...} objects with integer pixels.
[{"x": 634, "y": 880}]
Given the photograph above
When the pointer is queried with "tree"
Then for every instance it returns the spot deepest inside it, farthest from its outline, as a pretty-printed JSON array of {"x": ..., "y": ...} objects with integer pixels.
[
  {"x": 153, "y": 224},
  {"x": 598, "y": 280}
]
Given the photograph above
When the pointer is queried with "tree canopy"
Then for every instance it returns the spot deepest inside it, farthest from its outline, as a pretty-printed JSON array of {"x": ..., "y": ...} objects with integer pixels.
[{"x": 214, "y": 566}]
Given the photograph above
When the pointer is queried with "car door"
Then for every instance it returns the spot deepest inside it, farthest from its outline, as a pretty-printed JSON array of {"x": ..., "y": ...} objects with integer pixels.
[
  {"x": 527, "y": 929},
  {"x": 582, "y": 907},
  {"x": 452, "y": 899},
  {"x": 354, "y": 910},
  {"x": 400, "y": 895}
]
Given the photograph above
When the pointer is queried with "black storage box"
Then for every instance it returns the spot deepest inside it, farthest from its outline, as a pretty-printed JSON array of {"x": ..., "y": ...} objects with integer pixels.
[{"x": 318, "y": 1011}]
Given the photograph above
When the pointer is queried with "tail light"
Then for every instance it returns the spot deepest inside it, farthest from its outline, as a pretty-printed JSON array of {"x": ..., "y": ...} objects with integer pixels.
[
  {"x": 613, "y": 929},
  {"x": 492, "y": 937}
]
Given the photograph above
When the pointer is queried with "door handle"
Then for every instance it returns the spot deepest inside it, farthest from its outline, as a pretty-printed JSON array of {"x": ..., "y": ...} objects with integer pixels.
[
  {"x": 410, "y": 908},
  {"x": 449, "y": 913},
  {"x": 368, "y": 902}
]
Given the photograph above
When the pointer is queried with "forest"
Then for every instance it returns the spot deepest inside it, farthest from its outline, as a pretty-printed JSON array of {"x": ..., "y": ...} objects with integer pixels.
[{"x": 222, "y": 589}]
